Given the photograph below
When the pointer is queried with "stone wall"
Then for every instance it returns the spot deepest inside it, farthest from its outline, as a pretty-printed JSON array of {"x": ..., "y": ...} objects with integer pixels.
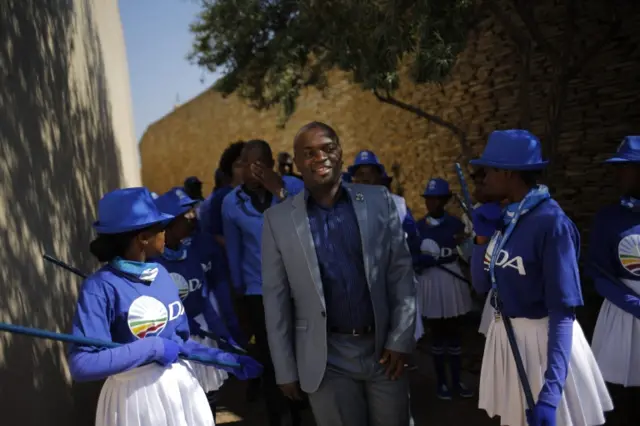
[
  {"x": 481, "y": 95},
  {"x": 66, "y": 138}
]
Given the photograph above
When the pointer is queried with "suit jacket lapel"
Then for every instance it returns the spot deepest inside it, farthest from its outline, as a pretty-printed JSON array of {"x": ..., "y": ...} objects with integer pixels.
[
  {"x": 360, "y": 208},
  {"x": 301, "y": 222}
]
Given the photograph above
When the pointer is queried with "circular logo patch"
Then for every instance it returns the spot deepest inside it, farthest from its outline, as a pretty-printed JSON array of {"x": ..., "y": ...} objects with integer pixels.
[
  {"x": 430, "y": 247},
  {"x": 147, "y": 317},
  {"x": 629, "y": 253},
  {"x": 182, "y": 284}
]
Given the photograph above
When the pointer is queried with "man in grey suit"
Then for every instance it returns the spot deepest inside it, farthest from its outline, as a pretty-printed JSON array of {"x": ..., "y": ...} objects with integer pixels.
[{"x": 338, "y": 291}]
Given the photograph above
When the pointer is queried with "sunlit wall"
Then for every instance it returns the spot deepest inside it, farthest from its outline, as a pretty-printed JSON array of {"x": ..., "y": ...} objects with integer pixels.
[{"x": 66, "y": 137}]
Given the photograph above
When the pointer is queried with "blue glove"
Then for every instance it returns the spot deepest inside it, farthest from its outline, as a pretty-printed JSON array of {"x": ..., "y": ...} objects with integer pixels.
[
  {"x": 542, "y": 414},
  {"x": 249, "y": 368},
  {"x": 486, "y": 219},
  {"x": 170, "y": 352}
]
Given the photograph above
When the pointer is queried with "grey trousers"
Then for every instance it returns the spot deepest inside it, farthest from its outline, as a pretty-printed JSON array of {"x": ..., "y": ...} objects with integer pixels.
[{"x": 355, "y": 390}]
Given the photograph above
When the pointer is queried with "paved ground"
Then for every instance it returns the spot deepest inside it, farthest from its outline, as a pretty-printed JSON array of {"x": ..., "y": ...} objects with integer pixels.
[{"x": 427, "y": 409}]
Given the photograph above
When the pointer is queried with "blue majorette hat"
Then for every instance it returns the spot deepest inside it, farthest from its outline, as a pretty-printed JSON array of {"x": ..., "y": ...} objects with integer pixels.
[
  {"x": 366, "y": 158},
  {"x": 512, "y": 150},
  {"x": 128, "y": 209},
  {"x": 175, "y": 202},
  {"x": 628, "y": 151},
  {"x": 437, "y": 187}
]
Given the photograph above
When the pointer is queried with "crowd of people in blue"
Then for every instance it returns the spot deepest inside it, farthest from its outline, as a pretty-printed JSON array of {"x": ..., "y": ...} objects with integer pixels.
[{"x": 336, "y": 281}]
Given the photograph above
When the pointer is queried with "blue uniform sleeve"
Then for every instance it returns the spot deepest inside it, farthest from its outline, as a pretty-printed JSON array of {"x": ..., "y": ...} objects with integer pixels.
[
  {"x": 293, "y": 185},
  {"x": 216, "y": 215},
  {"x": 413, "y": 236},
  {"x": 215, "y": 324},
  {"x": 560, "y": 251},
  {"x": 558, "y": 355},
  {"x": 233, "y": 243},
  {"x": 479, "y": 277},
  {"x": 601, "y": 253},
  {"x": 92, "y": 320}
]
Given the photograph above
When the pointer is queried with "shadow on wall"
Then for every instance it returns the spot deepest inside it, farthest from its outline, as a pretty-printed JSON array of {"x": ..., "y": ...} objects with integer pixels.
[{"x": 58, "y": 156}]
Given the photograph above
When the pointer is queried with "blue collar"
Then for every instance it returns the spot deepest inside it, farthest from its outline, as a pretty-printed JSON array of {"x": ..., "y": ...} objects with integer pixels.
[
  {"x": 511, "y": 216},
  {"x": 144, "y": 271},
  {"x": 176, "y": 255}
]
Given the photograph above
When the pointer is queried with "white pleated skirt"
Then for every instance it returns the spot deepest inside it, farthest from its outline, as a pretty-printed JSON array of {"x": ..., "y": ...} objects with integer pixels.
[
  {"x": 210, "y": 378},
  {"x": 488, "y": 312},
  {"x": 153, "y": 395},
  {"x": 441, "y": 295},
  {"x": 616, "y": 343},
  {"x": 585, "y": 397}
]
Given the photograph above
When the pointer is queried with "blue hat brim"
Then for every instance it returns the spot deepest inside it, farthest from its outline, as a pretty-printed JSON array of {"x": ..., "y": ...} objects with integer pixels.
[
  {"x": 479, "y": 162},
  {"x": 620, "y": 160},
  {"x": 162, "y": 218},
  {"x": 434, "y": 195}
]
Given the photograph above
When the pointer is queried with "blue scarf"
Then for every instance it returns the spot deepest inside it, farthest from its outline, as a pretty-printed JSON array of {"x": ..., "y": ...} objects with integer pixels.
[
  {"x": 175, "y": 255},
  {"x": 511, "y": 216},
  {"x": 630, "y": 203},
  {"x": 144, "y": 271}
]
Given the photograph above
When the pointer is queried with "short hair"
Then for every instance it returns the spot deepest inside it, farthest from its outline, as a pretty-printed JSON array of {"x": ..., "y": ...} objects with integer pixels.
[
  {"x": 229, "y": 156},
  {"x": 318, "y": 125},
  {"x": 261, "y": 146}
]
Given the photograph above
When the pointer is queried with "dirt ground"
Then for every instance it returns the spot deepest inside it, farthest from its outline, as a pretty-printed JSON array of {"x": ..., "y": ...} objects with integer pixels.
[{"x": 427, "y": 409}]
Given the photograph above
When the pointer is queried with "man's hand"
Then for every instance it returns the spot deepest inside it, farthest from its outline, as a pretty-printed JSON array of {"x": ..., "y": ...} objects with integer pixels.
[
  {"x": 292, "y": 391},
  {"x": 395, "y": 363},
  {"x": 271, "y": 181}
]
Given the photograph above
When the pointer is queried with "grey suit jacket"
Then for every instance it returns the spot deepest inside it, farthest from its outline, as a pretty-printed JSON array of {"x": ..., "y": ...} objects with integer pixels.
[{"x": 292, "y": 287}]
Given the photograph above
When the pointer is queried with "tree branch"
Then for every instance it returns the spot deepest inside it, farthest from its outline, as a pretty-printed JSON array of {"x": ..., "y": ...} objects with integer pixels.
[
  {"x": 390, "y": 100},
  {"x": 525, "y": 11}
]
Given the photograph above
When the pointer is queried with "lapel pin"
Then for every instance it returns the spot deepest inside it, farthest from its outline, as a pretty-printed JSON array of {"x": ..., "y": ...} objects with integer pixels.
[{"x": 359, "y": 196}]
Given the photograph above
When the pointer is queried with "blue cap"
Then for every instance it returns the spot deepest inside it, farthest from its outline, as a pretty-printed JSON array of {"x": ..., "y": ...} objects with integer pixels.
[
  {"x": 175, "y": 202},
  {"x": 437, "y": 187},
  {"x": 512, "y": 150},
  {"x": 128, "y": 209},
  {"x": 628, "y": 151},
  {"x": 366, "y": 158}
]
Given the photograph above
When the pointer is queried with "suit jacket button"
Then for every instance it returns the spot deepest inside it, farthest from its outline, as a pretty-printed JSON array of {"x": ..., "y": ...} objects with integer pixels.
[{"x": 324, "y": 314}]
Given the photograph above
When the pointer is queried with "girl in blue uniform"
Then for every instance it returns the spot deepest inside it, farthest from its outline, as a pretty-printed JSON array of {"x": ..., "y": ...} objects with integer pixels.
[
  {"x": 134, "y": 302},
  {"x": 189, "y": 265},
  {"x": 614, "y": 253},
  {"x": 442, "y": 298},
  {"x": 531, "y": 262}
]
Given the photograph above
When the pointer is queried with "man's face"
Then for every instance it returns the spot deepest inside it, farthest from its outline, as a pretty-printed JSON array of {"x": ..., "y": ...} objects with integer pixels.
[
  {"x": 369, "y": 175},
  {"x": 318, "y": 158}
]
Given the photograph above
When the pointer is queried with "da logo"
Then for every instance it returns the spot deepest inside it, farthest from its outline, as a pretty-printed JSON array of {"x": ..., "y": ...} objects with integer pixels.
[
  {"x": 629, "y": 253},
  {"x": 185, "y": 287},
  {"x": 430, "y": 247},
  {"x": 432, "y": 184},
  {"x": 147, "y": 317},
  {"x": 503, "y": 260}
]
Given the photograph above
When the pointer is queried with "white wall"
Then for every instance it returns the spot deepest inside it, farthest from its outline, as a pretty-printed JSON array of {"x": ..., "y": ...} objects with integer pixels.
[{"x": 66, "y": 137}]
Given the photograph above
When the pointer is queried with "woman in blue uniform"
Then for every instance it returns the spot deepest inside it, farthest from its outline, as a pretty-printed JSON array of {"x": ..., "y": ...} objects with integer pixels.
[
  {"x": 189, "y": 265},
  {"x": 531, "y": 262},
  {"x": 614, "y": 253},
  {"x": 134, "y": 302},
  {"x": 442, "y": 297}
]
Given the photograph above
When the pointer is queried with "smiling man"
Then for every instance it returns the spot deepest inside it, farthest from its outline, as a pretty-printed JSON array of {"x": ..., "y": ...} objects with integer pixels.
[{"x": 338, "y": 292}]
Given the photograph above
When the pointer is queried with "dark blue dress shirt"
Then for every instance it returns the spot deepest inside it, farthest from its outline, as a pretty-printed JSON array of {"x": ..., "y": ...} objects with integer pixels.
[{"x": 336, "y": 236}]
